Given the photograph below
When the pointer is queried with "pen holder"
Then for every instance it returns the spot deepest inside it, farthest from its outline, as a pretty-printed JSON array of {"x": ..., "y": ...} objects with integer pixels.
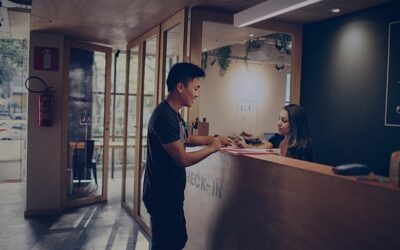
[{"x": 395, "y": 168}]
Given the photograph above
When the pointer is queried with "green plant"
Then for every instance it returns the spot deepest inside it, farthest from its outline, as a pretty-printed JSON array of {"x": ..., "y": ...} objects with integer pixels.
[
  {"x": 283, "y": 42},
  {"x": 223, "y": 55},
  {"x": 251, "y": 45},
  {"x": 220, "y": 55}
]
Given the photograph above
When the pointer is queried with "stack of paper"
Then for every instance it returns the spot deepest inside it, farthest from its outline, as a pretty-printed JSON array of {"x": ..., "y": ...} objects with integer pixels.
[{"x": 250, "y": 151}]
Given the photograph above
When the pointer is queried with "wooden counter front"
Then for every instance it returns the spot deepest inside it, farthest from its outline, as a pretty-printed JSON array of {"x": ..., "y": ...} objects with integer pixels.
[{"x": 273, "y": 202}]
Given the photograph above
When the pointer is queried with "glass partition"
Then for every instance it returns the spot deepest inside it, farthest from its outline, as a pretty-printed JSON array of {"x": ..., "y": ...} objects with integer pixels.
[{"x": 253, "y": 70}]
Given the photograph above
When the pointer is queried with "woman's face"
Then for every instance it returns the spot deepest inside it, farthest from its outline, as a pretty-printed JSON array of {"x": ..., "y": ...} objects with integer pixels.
[{"x": 283, "y": 123}]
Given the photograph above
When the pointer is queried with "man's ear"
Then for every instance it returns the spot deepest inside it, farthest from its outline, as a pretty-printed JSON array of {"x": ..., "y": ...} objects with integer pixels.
[{"x": 180, "y": 86}]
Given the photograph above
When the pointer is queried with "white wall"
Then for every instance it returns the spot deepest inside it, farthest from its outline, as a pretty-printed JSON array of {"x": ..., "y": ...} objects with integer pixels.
[
  {"x": 244, "y": 82},
  {"x": 44, "y": 144}
]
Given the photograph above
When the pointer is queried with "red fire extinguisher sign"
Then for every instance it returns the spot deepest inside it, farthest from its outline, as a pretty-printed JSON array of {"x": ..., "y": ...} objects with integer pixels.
[{"x": 45, "y": 58}]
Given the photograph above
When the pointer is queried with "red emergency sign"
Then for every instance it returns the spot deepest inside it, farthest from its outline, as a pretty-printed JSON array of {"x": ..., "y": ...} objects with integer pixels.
[{"x": 45, "y": 58}]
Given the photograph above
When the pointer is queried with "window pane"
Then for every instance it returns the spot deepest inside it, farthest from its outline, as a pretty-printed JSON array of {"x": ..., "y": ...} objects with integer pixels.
[
  {"x": 121, "y": 73},
  {"x": 174, "y": 38},
  {"x": 13, "y": 103},
  {"x": 133, "y": 70},
  {"x": 117, "y": 115}
]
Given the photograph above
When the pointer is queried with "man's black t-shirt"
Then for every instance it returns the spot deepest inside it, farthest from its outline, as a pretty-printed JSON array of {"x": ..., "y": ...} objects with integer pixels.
[{"x": 164, "y": 180}]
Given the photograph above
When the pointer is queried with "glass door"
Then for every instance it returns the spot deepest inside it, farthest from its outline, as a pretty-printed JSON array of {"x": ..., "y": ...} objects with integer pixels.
[{"x": 86, "y": 122}]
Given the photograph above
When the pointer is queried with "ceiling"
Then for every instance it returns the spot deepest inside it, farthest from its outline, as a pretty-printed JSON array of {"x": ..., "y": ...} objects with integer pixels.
[{"x": 118, "y": 21}]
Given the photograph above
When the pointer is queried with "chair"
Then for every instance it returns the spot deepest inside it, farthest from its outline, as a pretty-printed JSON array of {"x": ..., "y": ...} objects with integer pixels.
[{"x": 84, "y": 163}]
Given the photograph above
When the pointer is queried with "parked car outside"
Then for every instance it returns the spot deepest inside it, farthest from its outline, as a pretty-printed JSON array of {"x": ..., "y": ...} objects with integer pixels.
[{"x": 11, "y": 130}]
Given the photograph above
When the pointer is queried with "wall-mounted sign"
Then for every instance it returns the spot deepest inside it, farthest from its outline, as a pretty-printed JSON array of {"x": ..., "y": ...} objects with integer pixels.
[
  {"x": 45, "y": 58},
  {"x": 247, "y": 117},
  {"x": 392, "y": 113}
]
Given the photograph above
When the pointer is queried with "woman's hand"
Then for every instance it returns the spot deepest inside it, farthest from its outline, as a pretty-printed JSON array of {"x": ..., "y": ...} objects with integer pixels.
[{"x": 241, "y": 144}]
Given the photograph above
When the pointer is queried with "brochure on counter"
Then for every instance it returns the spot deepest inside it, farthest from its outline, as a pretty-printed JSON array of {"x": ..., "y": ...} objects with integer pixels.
[{"x": 250, "y": 151}]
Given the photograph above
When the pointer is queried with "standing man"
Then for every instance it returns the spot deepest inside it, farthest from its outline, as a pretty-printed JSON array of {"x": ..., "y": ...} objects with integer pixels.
[{"x": 165, "y": 176}]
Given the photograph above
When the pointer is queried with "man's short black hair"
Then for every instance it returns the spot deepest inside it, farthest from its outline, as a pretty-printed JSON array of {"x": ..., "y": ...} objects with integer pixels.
[{"x": 183, "y": 72}]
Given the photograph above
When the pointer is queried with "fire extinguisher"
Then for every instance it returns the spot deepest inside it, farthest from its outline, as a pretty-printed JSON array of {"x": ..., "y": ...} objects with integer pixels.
[{"x": 45, "y": 96}]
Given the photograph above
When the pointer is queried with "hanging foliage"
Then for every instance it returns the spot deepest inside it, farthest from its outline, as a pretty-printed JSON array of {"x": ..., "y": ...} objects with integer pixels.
[
  {"x": 220, "y": 55},
  {"x": 253, "y": 44},
  {"x": 223, "y": 55}
]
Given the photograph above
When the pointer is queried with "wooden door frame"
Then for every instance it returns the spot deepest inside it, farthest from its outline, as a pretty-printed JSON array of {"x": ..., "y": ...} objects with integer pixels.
[
  {"x": 198, "y": 16},
  {"x": 68, "y": 44}
]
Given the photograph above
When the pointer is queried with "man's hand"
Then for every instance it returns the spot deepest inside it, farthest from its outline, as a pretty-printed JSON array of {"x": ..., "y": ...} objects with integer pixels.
[
  {"x": 215, "y": 144},
  {"x": 225, "y": 141}
]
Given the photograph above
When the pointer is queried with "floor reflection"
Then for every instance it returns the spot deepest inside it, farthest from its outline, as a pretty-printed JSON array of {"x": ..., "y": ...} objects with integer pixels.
[{"x": 100, "y": 226}]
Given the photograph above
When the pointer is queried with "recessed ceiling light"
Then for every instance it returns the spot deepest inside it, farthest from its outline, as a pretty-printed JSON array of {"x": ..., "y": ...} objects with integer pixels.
[
  {"x": 335, "y": 10},
  {"x": 251, "y": 35},
  {"x": 204, "y": 50}
]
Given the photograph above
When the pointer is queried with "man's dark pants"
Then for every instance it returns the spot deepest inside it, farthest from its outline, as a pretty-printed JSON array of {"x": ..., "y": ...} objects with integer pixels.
[{"x": 168, "y": 227}]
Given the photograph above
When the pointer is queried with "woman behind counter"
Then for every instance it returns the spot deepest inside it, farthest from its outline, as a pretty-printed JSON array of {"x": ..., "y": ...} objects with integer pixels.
[{"x": 293, "y": 139}]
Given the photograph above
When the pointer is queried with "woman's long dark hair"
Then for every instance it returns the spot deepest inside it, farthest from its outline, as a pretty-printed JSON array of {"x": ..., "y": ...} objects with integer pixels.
[{"x": 299, "y": 145}]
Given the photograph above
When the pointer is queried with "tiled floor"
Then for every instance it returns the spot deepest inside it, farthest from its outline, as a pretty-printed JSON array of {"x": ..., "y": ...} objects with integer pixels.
[{"x": 100, "y": 226}]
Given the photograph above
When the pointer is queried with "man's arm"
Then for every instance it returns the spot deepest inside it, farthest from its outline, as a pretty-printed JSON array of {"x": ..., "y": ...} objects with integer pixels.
[
  {"x": 205, "y": 140},
  {"x": 185, "y": 159}
]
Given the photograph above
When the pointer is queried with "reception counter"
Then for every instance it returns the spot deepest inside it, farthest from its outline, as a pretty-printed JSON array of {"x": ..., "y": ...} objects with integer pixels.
[{"x": 274, "y": 202}]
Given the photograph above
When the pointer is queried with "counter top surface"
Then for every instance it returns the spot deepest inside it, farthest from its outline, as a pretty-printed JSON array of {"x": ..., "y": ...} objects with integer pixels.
[{"x": 313, "y": 167}]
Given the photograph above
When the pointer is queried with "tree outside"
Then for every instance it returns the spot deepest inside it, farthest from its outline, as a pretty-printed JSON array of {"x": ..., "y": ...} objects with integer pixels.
[
  {"x": 13, "y": 104},
  {"x": 13, "y": 71}
]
